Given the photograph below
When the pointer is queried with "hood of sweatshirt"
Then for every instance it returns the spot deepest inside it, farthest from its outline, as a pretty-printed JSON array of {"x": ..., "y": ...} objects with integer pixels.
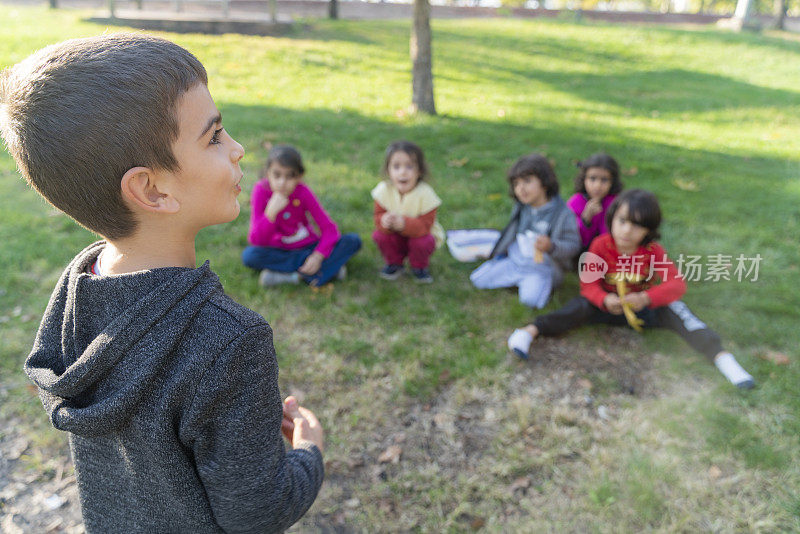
[{"x": 103, "y": 340}]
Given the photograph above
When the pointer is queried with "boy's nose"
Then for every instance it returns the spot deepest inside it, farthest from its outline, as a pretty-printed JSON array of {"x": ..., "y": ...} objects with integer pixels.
[{"x": 237, "y": 152}]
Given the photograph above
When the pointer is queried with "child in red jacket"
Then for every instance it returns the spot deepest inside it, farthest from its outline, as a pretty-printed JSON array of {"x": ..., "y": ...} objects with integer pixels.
[{"x": 617, "y": 285}]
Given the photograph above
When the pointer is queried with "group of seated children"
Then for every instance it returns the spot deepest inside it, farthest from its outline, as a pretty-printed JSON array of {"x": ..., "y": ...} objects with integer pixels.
[
  {"x": 167, "y": 387},
  {"x": 540, "y": 242}
]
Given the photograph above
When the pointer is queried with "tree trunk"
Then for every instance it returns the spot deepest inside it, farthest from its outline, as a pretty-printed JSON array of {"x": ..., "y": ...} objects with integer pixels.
[
  {"x": 741, "y": 16},
  {"x": 333, "y": 9},
  {"x": 421, "y": 58},
  {"x": 780, "y": 14},
  {"x": 53, "y": 4}
]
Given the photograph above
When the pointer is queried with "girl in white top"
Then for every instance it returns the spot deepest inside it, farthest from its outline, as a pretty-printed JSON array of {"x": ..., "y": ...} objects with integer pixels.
[{"x": 405, "y": 213}]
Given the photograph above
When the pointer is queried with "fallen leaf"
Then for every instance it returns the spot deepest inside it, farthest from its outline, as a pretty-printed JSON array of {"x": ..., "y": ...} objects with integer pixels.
[
  {"x": 16, "y": 447},
  {"x": 633, "y": 171},
  {"x": 501, "y": 113},
  {"x": 495, "y": 196},
  {"x": 9, "y": 526},
  {"x": 457, "y": 162},
  {"x": 477, "y": 523},
  {"x": 477, "y": 174},
  {"x": 391, "y": 455},
  {"x": 778, "y": 358},
  {"x": 714, "y": 472},
  {"x": 352, "y": 463},
  {"x": 352, "y": 503},
  {"x": 585, "y": 383},
  {"x": 520, "y": 484},
  {"x": 686, "y": 185},
  {"x": 386, "y": 506}
]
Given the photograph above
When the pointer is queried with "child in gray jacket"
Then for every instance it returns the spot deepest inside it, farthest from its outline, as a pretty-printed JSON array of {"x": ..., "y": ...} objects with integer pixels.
[
  {"x": 168, "y": 389},
  {"x": 539, "y": 242}
]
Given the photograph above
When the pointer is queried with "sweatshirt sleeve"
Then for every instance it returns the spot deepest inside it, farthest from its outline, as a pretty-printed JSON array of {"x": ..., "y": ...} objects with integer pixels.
[
  {"x": 419, "y": 226},
  {"x": 377, "y": 213},
  {"x": 576, "y": 204},
  {"x": 566, "y": 241},
  {"x": 261, "y": 228},
  {"x": 672, "y": 286},
  {"x": 233, "y": 431},
  {"x": 329, "y": 232}
]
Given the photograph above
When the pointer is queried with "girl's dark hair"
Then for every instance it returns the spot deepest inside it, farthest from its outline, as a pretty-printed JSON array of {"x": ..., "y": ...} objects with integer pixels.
[
  {"x": 643, "y": 210},
  {"x": 536, "y": 165},
  {"x": 288, "y": 156},
  {"x": 604, "y": 161},
  {"x": 412, "y": 150}
]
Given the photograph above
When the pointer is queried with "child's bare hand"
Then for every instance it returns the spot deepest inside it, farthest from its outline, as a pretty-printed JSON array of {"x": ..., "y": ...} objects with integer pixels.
[
  {"x": 312, "y": 264},
  {"x": 592, "y": 208},
  {"x": 637, "y": 301},
  {"x": 386, "y": 220},
  {"x": 300, "y": 424},
  {"x": 276, "y": 203},
  {"x": 399, "y": 223},
  {"x": 613, "y": 304},
  {"x": 543, "y": 244}
]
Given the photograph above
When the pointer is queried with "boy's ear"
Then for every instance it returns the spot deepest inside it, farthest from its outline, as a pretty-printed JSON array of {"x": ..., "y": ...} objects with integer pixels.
[{"x": 142, "y": 188}]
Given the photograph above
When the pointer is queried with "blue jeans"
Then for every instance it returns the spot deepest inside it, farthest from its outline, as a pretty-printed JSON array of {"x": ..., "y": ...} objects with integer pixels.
[{"x": 288, "y": 261}]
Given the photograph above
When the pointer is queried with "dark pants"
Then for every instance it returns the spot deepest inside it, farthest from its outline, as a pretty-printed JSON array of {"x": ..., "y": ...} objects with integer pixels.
[
  {"x": 288, "y": 261},
  {"x": 676, "y": 317}
]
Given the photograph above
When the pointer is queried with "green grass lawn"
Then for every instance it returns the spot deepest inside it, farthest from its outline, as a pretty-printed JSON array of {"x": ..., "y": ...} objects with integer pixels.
[{"x": 705, "y": 119}]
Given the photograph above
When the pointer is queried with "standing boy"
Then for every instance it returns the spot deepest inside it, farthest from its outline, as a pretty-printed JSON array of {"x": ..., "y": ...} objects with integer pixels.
[{"x": 168, "y": 388}]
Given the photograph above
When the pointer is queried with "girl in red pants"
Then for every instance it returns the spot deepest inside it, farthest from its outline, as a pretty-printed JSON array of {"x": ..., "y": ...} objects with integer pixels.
[{"x": 405, "y": 214}]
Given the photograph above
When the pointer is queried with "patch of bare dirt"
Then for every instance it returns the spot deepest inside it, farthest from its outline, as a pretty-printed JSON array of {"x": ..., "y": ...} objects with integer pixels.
[
  {"x": 554, "y": 405},
  {"x": 38, "y": 492}
]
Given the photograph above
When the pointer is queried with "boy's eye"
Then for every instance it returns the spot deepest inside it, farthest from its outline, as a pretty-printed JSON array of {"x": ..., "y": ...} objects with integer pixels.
[{"x": 215, "y": 137}]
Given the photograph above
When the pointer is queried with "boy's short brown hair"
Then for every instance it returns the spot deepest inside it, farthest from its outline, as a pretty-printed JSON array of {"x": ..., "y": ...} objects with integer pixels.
[{"x": 77, "y": 115}]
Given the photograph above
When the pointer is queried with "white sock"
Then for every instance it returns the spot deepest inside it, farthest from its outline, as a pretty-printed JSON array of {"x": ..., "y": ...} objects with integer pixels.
[
  {"x": 520, "y": 340},
  {"x": 734, "y": 372}
]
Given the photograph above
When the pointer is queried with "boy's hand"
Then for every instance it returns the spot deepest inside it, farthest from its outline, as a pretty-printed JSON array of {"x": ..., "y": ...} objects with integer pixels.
[
  {"x": 592, "y": 208},
  {"x": 543, "y": 244},
  {"x": 276, "y": 203},
  {"x": 637, "y": 301},
  {"x": 312, "y": 264},
  {"x": 300, "y": 424},
  {"x": 613, "y": 304}
]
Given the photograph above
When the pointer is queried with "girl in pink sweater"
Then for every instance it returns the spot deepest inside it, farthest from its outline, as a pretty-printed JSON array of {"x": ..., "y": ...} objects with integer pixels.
[
  {"x": 284, "y": 246},
  {"x": 596, "y": 186}
]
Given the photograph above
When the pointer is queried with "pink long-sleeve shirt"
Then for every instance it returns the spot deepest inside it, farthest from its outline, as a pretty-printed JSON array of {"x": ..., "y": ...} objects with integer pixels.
[
  {"x": 597, "y": 227},
  {"x": 291, "y": 228}
]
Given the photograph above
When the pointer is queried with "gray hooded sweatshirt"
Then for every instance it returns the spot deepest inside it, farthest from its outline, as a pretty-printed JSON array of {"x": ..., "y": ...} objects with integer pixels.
[{"x": 169, "y": 392}]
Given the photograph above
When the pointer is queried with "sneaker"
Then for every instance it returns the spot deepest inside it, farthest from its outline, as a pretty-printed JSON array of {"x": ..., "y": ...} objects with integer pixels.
[
  {"x": 422, "y": 276},
  {"x": 273, "y": 278},
  {"x": 519, "y": 342},
  {"x": 342, "y": 274},
  {"x": 391, "y": 272}
]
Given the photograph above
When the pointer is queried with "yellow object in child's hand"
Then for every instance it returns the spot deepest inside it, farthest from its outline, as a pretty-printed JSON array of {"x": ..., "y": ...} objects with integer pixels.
[{"x": 635, "y": 322}]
